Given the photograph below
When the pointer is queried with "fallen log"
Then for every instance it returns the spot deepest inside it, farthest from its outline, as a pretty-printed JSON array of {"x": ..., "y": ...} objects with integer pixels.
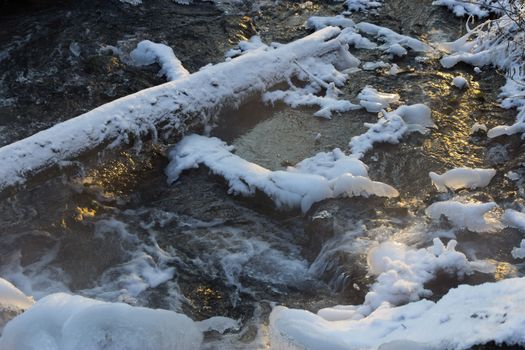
[{"x": 159, "y": 111}]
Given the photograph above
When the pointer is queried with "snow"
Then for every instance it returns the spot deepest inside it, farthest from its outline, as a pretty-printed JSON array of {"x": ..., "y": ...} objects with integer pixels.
[
  {"x": 478, "y": 8},
  {"x": 392, "y": 127},
  {"x": 320, "y": 22},
  {"x": 319, "y": 75},
  {"x": 12, "y": 297},
  {"x": 244, "y": 46},
  {"x": 477, "y": 127},
  {"x": 326, "y": 175},
  {"x": 160, "y": 110},
  {"x": 475, "y": 217},
  {"x": 148, "y": 52},
  {"x": 458, "y": 178},
  {"x": 516, "y": 219},
  {"x": 65, "y": 322},
  {"x": 375, "y": 65},
  {"x": 362, "y": 5},
  {"x": 374, "y": 101},
  {"x": 394, "y": 70},
  {"x": 460, "y": 82},
  {"x": 464, "y": 317},
  {"x": 394, "y": 43}
]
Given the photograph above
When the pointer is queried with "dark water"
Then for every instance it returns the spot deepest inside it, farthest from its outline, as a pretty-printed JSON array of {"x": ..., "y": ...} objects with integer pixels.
[{"x": 112, "y": 228}]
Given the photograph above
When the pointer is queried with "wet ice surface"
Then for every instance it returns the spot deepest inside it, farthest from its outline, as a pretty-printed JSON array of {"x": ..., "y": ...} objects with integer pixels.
[{"x": 120, "y": 233}]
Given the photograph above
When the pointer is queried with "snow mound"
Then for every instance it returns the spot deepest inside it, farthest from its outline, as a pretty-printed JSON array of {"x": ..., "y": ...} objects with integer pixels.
[
  {"x": 392, "y": 127},
  {"x": 323, "y": 176},
  {"x": 476, "y": 217},
  {"x": 458, "y": 178},
  {"x": 464, "y": 317},
  {"x": 374, "y": 101},
  {"x": 148, "y": 52},
  {"x": 478, "y": 8},
  {"x": 64, "y": 322},
  {"x": 460, "y": 82}
]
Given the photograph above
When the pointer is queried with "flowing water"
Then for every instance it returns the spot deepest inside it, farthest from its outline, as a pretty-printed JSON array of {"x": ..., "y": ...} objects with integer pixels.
[{"x": 112, "y": 228}]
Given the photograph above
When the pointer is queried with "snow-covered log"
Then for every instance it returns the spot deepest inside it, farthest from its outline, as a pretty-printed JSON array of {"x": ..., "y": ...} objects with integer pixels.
[{"x": 162, "y": 111}]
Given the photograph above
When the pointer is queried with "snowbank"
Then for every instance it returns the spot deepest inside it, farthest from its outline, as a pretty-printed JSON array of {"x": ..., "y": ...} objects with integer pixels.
[
  {"x": 161, "y": 110},
  {"x": 325, "y": 175},
  {"x": 148, "y": 52},
  {"x": 458, "y": 178},
  {"x": 392, "y": 127},
  {"x": 476, "y": 217},
  {"x": 64, "y": 322},
  {"x": 464, "y": 317}
]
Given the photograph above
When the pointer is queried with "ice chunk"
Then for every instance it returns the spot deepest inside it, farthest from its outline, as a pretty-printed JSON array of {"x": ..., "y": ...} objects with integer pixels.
[
  {"x": 460, "y": 82},
  {"x": 506, "y": 130},
  {"x": 394, "y": 70},
  {"x": 395, "y": 43},
  {"x": 375, "y": 65},
  {"x": 148, "y": 52},
  {"x": 476, "y": 217},
  {"x": 61, "y": 321},
  {"x": 464, "y": 317},
  {"x": 458, "y": 178},
  {"x": 374, "y": 101},
  {"x": 325, "y": 175},
  {"x": 516, "y": 219}
]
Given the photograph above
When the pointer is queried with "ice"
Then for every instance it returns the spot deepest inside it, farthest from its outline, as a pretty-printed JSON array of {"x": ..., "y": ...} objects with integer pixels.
[
  {"x": 148, "y": 52},
  {"x": 460, "y": 82},
  {"x": 65, "y": 322},
  {"x": 478, "y": 8},
  {"x": 464, "y": 317},
  {"x": 12, "y": 302},
  {"x": 289, "y": 189},
  {"x": 394, "y": 70},
  {"x": 374, "y": 101},
  {"x": 458, "y": 178},
  {"x": 476, "y": 217},
  {"x": 392, "y": 127}
]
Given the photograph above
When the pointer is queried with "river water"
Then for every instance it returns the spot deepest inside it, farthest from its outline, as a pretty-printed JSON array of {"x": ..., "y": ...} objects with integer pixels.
[{"x": 112, "y": 228}]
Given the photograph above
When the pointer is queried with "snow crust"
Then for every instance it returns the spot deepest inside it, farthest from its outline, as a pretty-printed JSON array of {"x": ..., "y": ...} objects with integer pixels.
[
  {"x": 458, "y": 178},
  {"x": 65, "y": 322},
  {"x": 326, "y": 175},
  {"x": 464, "y": 317},
  {"x": 392, "y": 126},
  {"x": 476, "y": 217},
  {"x": 148, "y": 52}
]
